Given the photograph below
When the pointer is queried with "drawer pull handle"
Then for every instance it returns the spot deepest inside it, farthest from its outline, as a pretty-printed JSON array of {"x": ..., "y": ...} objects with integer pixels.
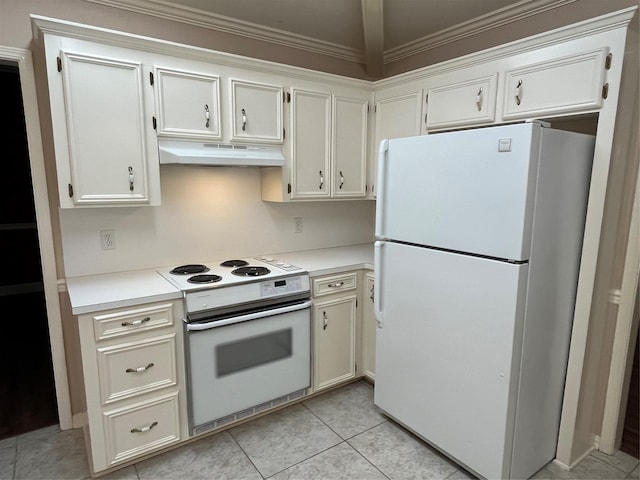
[
  {"x": 136, "y": 322},
  {"x": 131, "y": 179},
  {"x": 341, "y": 180},
  {"x": 144, "y": 429},
  {"x": 244, "y": 120},
  {"x": 325, "y": 322},
  {"x": 335, "y": 285},
  {"x": 479, "y": 99},
  {"x": 207, "y": 116},
  {"x": 518, "y": 92},
  {"x": 139, "y": 369},
  {"x": 321, "y": 181}
]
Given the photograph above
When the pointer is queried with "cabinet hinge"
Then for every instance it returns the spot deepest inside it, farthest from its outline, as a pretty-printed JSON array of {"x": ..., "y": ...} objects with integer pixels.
[
  {"x": 288, "y": 97},
  {"x": 605, "y": 90},
  {"x": 288, "y": 188},
  {"x": 607, "y": 62},
  {"x": 151, "y": 78},
  {"x": 154, "y": 123},
  {"x": 356, "y": 303},
  {"x": 59, "y": 60},
  {"x": 70, "y": 191},
  {"x": 284, "y": 134},
  {"x": 368, "y": 108},
  {"x": 375, "y": 108}
]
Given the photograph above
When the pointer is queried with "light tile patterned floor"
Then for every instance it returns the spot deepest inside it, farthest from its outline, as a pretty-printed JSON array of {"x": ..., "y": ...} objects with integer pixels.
[{"x": 338, "y": 435}]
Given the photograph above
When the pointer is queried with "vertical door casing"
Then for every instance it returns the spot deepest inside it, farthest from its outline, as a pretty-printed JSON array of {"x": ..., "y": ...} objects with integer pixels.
[
  {"x": 262, "y": 120},
  {"x": 187, "y": 104},
  {"x": 349, "y": 159},
  {"x": 310, "y": 144},
  {"x": 104, "y": 103}
]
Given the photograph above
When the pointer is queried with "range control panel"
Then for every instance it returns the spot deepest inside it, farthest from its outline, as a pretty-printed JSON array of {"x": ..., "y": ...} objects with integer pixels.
[
  {"x": 277, "y": 287},
  {"x": 274, "y": 262}
]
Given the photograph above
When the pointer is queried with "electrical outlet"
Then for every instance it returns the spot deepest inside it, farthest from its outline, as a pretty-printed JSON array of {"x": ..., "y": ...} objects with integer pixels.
[
  {"x": 108, "y": 239},
  {"x": 297, "y": 225}
]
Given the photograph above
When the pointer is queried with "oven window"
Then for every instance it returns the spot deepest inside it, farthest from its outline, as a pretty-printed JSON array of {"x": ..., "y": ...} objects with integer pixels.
[{"x": 251, "y": 352}]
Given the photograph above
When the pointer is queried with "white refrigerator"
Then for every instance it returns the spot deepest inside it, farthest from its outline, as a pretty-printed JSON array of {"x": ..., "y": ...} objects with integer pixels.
[{"x": 478, "y": 243}]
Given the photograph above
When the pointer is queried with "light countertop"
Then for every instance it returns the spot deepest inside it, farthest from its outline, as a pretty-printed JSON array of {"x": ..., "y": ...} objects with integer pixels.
[{"x": 123, "y": 289}]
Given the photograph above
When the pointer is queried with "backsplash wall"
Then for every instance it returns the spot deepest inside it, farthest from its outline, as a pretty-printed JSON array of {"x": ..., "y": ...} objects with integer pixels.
[{"x": 207, "y": 213}]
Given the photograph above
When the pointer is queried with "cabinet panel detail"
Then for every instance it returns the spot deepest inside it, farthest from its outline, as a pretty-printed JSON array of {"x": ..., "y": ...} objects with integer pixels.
[
  {"x": 256, "y": 114},
  {"x": 187, "y": 104},
  {"x": 141, "y": 428},
  {"x": 349, "y": 147},
  {"x": 564, "y": 85},
  {"x": 107, "y": 150},
  {"x": 334, "y": 284},
  {"x": 134, "y": 368},
  {"x": 126, "y": 322},
  {"x": 464, "y": 103}
]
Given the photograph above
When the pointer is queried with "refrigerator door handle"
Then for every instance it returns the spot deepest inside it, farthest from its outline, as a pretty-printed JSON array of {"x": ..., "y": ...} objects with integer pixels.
[
  {"x": 377, "y": 277},
  {"x": 382, "y": 151}
]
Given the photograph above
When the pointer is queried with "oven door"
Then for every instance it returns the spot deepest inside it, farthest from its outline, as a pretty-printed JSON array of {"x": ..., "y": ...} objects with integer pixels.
[{"x": 240, "y": 368}]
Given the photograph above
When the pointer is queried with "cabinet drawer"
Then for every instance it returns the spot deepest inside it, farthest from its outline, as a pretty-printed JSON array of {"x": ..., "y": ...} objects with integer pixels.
[
  {"x": 141, "y": 428},
  {"x": 126, "y": 322},
  {"x": 464, "y": 103},
  {"x": 334, "y": 284},
  {"x": 134, "y": 368},
  {"x": 564, "y": 85}
]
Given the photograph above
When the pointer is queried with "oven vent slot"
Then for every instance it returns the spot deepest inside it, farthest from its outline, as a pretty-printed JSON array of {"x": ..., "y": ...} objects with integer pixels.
[{"x": 248, "y": 412}]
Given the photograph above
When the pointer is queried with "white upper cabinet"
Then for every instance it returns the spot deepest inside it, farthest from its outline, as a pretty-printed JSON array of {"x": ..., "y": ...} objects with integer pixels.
[
  {"x": 256, "y": 112},
  {"x": 328, "y": 146},
  {"x": 574, "y": 83},
  {"x": 395, "y": 117},
  {"x": 106, "y": 149},
  {"x": 349, "y": 165},
  {"x": 467, "y": 102},
  {"x": 310, "y": 144},
  {"x": 187, "y": 104}
]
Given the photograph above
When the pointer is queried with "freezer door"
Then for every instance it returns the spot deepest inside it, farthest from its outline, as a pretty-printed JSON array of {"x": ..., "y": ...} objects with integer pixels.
[
  {"x": 470, "y": 191},
  {"x": 447, "y": 350}
]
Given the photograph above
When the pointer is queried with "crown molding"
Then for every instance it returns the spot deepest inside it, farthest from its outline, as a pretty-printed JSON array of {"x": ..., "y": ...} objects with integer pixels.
[
  {"x": 199, "y": 18},
  {"x": 167, "y": 10},
  {"x": 498, "y": 18}
]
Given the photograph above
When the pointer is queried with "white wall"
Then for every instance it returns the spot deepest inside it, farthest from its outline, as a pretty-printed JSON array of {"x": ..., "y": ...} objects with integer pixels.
[{"x": 207, "y": 213}]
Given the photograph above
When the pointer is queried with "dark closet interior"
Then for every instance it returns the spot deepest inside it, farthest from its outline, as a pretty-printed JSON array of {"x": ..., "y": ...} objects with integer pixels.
[{"x": 27, "y": 389}]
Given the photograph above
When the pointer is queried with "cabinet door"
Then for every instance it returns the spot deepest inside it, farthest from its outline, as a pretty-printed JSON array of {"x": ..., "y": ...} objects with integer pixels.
[
  {"x": 334, "y": 359},
  {"x": 563, "y": 85},
  {"x": 465, "y": 103},
  {"x": 256, "y": 112},
  {"x": 310, "y": 144},
  {"x": 187, "y": 104},
  {"x": 396, "y": 117},
  {"x": 368, "y": 330},
  {"x": 349, "y": 147},
  {"x": 110, "y": 145}
]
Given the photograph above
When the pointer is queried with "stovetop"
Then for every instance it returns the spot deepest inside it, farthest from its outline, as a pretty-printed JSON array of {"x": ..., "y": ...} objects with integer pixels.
[{"x": 227, "y": 272}]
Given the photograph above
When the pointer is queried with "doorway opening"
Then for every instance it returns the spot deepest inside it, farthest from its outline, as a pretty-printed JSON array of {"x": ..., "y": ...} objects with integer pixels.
[{"x": 27, "y": 385}]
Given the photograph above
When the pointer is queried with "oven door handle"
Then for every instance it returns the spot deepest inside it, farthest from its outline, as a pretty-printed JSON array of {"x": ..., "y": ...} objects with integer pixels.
[{"x": 251, "y": 316}]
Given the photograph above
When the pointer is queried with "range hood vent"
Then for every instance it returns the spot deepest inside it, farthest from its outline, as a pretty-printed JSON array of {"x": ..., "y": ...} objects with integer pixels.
[{"x": 219, "y": 154}]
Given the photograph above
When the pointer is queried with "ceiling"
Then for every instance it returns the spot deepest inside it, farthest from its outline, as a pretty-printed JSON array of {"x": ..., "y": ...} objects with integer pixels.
[{"x": 373, "y": 32}]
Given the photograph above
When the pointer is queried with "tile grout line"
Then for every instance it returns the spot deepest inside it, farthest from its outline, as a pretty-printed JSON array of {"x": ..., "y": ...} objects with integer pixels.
[{"x": 245, "y": 453}]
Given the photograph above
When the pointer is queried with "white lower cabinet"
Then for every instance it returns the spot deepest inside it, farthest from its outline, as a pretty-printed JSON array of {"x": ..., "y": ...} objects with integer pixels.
[
  {"x": 132, "y": 364},
  {"x": 368, "y": 336},
  {"x": 334, "y": 316}
]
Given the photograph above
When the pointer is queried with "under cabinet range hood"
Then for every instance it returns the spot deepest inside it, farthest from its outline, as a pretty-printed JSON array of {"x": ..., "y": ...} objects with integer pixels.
[{"x": 219, "y": 154}]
